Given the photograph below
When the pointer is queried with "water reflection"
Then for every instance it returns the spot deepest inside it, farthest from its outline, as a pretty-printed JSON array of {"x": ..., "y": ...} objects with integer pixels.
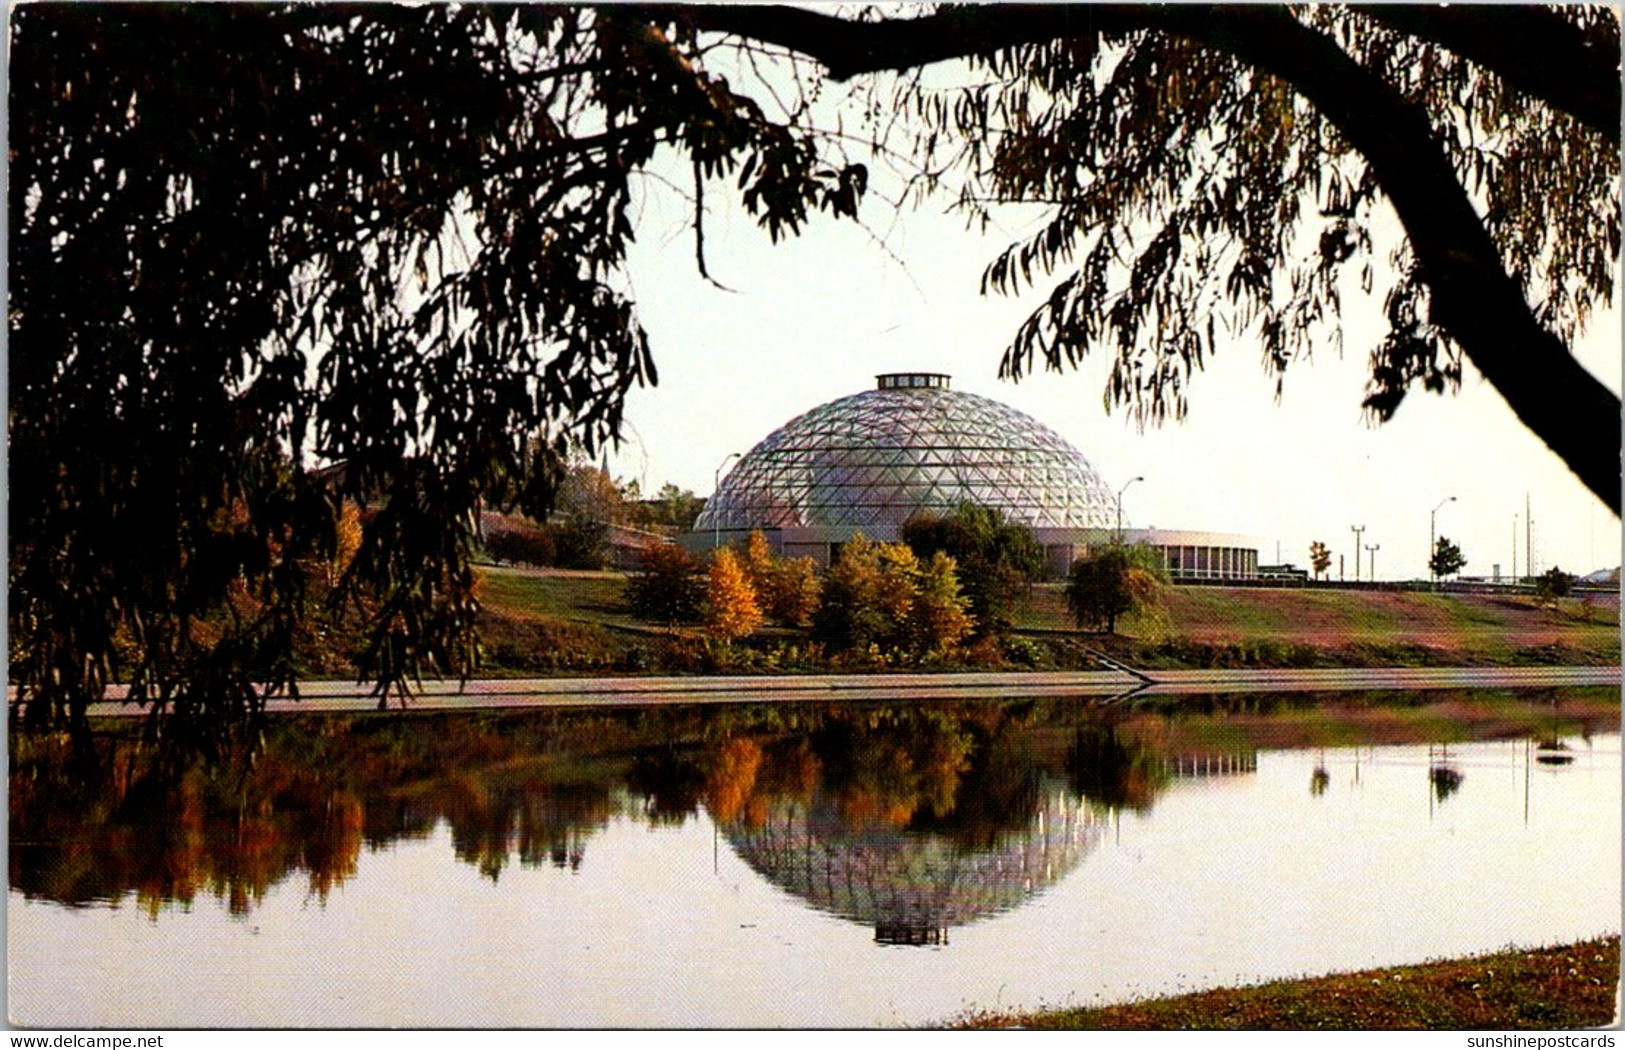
[
  {"x": 913, "y": 887},
  {"x": 910, "y": 819},
  {"x": 1443, "y": 775},
  {"x": 910, "y": 824}
]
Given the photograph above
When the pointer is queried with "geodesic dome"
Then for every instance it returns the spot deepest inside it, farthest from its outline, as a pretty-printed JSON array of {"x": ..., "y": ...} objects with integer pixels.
[
  {"x": 912, "y": 887},
  {"x": 912, "y": 446}
]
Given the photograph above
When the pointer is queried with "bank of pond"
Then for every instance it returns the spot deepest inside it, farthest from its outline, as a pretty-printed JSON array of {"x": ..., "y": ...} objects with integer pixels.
[
  {"x": 1565, "y": 986},
  {"x": 894, "y": 864}
]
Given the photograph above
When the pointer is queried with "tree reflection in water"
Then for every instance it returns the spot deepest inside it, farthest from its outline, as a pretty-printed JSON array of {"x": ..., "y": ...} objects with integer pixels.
[
  {"x": 914, "y": 823},
  {"x": 954, "y": 810}
]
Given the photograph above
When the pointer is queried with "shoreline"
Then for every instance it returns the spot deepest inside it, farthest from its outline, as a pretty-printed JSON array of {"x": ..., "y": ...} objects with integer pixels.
[
  {"x": 1555, "y": 987},
  {"x": 1104, "y": 687}
]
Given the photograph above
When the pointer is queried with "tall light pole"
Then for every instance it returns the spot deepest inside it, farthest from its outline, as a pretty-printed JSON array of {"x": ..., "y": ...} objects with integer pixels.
[
  {"x": 1371, "y": 549},
  {"x": 1514, "y": 548},
  {"x": 1528, "y": 539},
  {"x": 1120, "y": 492},
  {"x": 716, "y": 517},
  {"x": 1357, "y": 529},
  {"x": 1433, "y": 577}
]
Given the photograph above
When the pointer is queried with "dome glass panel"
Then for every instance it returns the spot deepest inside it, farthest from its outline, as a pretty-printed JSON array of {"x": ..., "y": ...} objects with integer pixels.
[{"x": 873, "y": 460}]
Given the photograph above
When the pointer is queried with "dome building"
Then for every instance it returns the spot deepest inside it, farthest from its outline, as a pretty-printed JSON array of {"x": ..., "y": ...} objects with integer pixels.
[
  {"x": 913, "y": 887},
  {"x": 913, "y": 446}
]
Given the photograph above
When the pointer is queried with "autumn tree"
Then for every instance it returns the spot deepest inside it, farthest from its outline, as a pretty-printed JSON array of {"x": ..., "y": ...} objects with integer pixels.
[
  {"x": 941, "y": 617},
  {"x": 1447, "y": 559},
  {"x": 995, "y": 558},
  {"x": 878, "y": 594},
  {"x": 530, "y": 545},
  {"x": 731, "y": 609},
  {"x": 1113, "y": 581},
  {"x": 1320, "y": 558},
  {"x": 390, "y": 239},
  {"x": 668, "y": 587},
  {"x": 849, "y": 614},
  {"x": 794, "y": 596},
  {"x": 760, "y": 564},
  {"x": 385, "y": 238},
  {"x": 787, "y": 588}
]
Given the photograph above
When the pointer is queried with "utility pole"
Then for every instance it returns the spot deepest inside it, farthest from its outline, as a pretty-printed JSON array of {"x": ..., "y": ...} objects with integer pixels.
[
  {"x": 1514, "y": 548},
  {"x": 1528, "y": 543},
  {"x": 1357, "y": 529},
  {"x": 1372, "y": 549}
]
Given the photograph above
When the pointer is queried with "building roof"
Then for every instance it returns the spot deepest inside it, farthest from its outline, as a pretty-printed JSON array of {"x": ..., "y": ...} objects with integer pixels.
[{"x": 911, "y": 446}]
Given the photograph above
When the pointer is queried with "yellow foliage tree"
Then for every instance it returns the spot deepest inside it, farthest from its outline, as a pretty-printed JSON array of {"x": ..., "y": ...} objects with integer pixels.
[
  {"x": 899, "y": 585},
  {"x": 941, "y": 619},
  {"x": 787, "y": 590},
  {"x": 794, "y": 598},
  {"x": 346, "y": 541},
  {"x": 731, "y": 608},
  {"x": 760, "y": 563}
]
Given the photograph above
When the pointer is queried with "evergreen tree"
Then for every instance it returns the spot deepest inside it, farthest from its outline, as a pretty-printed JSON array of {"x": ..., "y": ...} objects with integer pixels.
[{"x": 1447, "y": 559}]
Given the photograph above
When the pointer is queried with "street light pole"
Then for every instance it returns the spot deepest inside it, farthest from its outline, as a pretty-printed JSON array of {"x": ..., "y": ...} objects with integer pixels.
[
  {"x": 716, "y": 517},
  {"x": 1514, "y": 548},
  {"x": 1371, "y": 549},
  {"x": 1433, "y": 576},
  {"x": 1120, "y": 492},
  {"x": 1357, "y": 529}
]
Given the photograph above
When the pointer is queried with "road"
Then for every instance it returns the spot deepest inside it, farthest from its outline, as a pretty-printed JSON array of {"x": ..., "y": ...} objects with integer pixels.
[{"x": 1103, "y": 686}]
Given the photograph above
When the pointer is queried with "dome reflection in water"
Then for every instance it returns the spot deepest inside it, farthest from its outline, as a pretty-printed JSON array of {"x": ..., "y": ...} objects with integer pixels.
[{"x": 1050, "y": 845}]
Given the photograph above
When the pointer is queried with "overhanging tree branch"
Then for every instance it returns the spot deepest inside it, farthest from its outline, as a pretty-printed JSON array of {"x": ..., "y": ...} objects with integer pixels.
[
  {"x": 1531, "y": 48},
  {"x": 1534, "y": 50},
  {"x": 1475, "y": 299}
]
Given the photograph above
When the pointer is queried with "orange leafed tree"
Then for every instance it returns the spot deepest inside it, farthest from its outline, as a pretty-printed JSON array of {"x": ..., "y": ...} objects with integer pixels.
[{"x": 731, "y": 608}]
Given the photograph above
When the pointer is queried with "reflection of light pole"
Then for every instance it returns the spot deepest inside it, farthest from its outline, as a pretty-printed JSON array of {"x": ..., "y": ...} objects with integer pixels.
[
  {"x": 716, "y": 483},
  {"x": 1432, "y": 574},
  {"x": 1120, "y": 492},
  {"x": 1357, "y": 529},
  {"x": 1371, "y": 549}
]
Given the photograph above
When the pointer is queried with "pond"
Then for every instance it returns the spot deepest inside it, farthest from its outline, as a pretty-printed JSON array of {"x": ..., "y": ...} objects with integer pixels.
[{"x": 807, "y": 865}]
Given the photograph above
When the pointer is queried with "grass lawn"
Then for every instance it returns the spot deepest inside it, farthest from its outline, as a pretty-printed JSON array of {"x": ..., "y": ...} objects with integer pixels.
[
  {"x": 1495, "y": 627},
  {"x": 582, "y": 597},
  {"x": 1571, "y": 986},
  {"x": 1325, "y": 627}
]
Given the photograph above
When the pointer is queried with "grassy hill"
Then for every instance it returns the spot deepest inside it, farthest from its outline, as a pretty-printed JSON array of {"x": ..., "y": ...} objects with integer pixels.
[
  {"x": 1497, "y": 627},
  {"x": 583, "y": 616}
]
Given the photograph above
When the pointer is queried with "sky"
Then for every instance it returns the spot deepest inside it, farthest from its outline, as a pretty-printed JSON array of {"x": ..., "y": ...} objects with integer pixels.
[{"x": 817, "y": 317}]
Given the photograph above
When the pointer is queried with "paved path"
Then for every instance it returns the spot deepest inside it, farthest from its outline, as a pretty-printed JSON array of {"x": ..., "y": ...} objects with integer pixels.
[{"x": 1103, "y": 686}]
